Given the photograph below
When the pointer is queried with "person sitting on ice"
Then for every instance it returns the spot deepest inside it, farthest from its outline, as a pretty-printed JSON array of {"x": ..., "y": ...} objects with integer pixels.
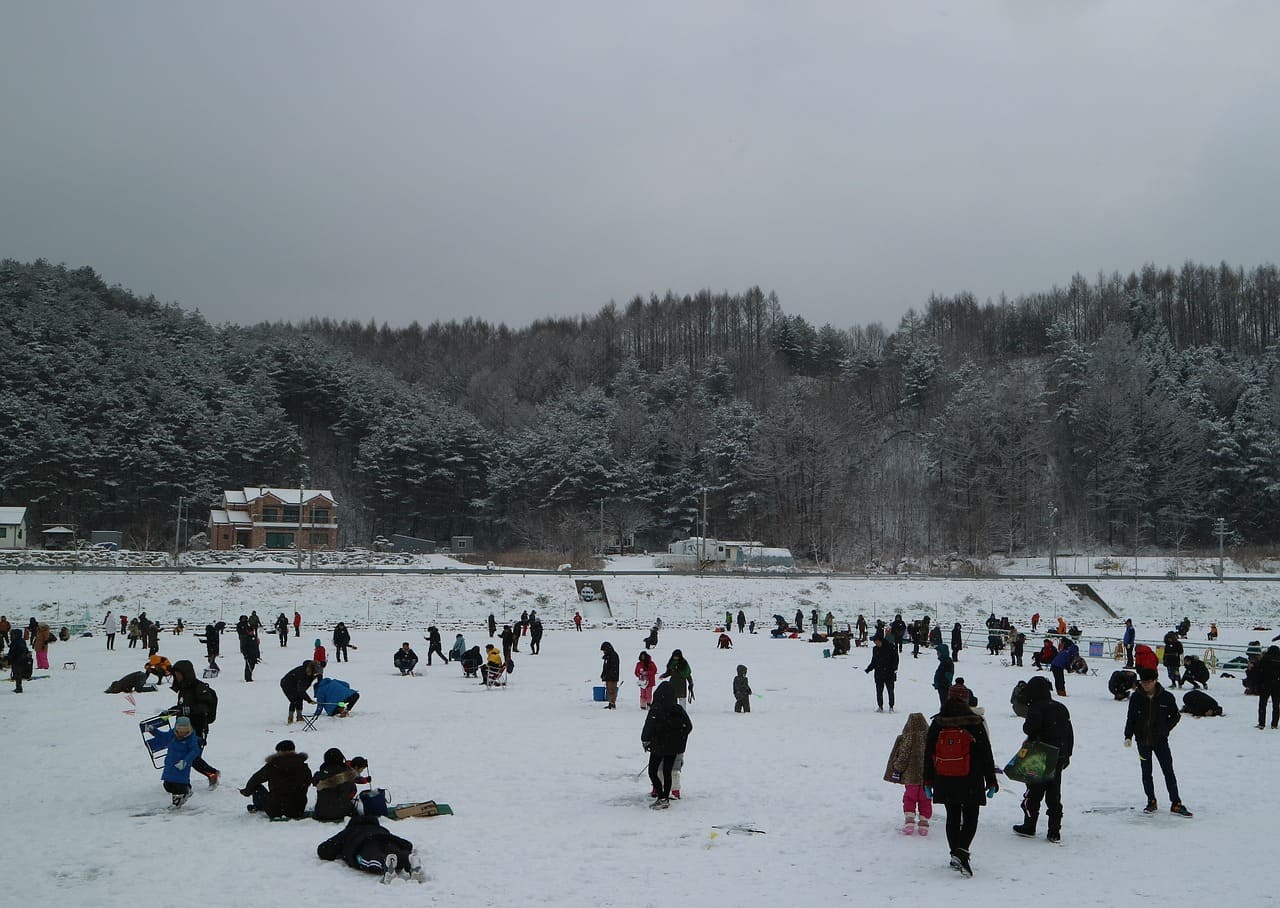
[
  {"x": 492, "y": 664},
  {"x": 366, "y": 845},
  {"x": 724, "y": 642},
  {"x": 1199, "y": 704},
  {"x": 335, "y": 697},
  {"x": 458, "y": 650},
  {"x": 279, "y": 788},
  {"x": 1045, "y": 655},
  {"x": 471, "y": 661},
  {"x": 405, "y": 659}
]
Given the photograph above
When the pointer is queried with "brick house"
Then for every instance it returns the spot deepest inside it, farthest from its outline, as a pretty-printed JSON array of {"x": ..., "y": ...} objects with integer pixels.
[{"x": 273, "y": 518}]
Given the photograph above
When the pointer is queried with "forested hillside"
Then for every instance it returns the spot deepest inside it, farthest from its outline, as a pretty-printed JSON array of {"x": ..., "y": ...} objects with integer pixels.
[{"x": 1129, "y": 412}]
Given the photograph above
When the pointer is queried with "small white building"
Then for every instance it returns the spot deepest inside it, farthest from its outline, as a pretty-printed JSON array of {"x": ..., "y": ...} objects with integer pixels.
[
  {"x": 687, "y": 553},
  {"x": 13, "y": 528}
]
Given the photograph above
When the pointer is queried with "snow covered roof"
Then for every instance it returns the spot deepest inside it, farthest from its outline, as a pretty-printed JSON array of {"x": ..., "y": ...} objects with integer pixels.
[
  {"x": 227, "y": 518},
  {"x": 286, "y": 496},
  {"x": 12, "y": 516},
  {"x": 58, "y": 531}
]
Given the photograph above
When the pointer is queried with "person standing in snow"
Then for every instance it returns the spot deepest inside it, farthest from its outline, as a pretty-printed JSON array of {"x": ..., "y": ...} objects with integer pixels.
[
  {"x": 577, "y": 622},
  {"x": 1173, "y": 658},
  {"x": 1267, "y": 678},
  {"x": 1153, "y": 714},
  {"x": 958, "y": 738},
  {"x": 19, "y": 660},
  {"x": 493, "y": 626},
  {"x": 319, "y": 655},
  {"x": 341, "y": 640},
  {"x": 433, "y": 644},
  {"x": 297, "y": 624},
  {"x": 1061, "y": 664},
  {"x": 681, "y": 675},
  {"x": 507, "y": 637},
  {"x": 40, "y": 643},
  {"x": 109, "y": 628},
  {"x": 742, "y": 621},
  {"x": 664, "y": 737},
  {"x": 884, "y": 662},
  {"x": 957, "y": 641},
  {"x": 282, "y": 629},
  {"x": 1130, "y": 635},
  {"x": 646, "y": 677},
  {"x": 943, "y": 674},
  {"x": 197, "y": 702},
  {"x": 183, "y": 750},
  {"x": 906, "y": 768},
  {"x": 296, "y": 685},
  {"x": 741, "y": 691},
  {"x": 249, "y": 647},
  {"x": 1048, "y": 722},
  {"x": 535, "y": 635},
  {"x": 609, "y": 674}
]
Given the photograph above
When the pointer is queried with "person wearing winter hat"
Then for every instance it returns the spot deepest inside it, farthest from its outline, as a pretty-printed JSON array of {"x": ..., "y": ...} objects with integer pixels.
[
  {"x": 318, "y": 655},
  {"x": 183, "y": 749},
  {"x": 1153, "y": 714},
  {"x": 741, "y": 691},
  {"x": 197, "y": 702},
  {"x": 609, "y": 673},
  {"x": 335, "y": 784},
  {"x": 1048, "y": 722},
  {"x": 884, "y": 662},
  {"x": 943, "y": 674},
  {"x": 958, "y": 691},
  {"x": 279, "y": 788}
]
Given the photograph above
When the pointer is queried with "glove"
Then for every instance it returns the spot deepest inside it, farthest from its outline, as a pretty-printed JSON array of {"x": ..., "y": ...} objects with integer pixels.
[
  {"x": 1066, "y": 761},
  {"x": 895, "y": 776},
  {"x": 867, "y": 672},
  {"x": 991, "y": 792},
  {"x": 928, "y": 792},
  {"x": 645, "y": 745},
  {"x": 246, "y": 792},
  {"x": 1128, "y": 742}
]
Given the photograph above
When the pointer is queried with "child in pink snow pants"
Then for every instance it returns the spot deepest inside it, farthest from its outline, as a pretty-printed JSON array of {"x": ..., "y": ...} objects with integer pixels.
[
  {"x": 646, "y": 674},
  {"x": 906, "y": 768}
]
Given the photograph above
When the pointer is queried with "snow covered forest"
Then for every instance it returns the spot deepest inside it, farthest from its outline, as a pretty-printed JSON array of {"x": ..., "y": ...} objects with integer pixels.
[{"x": 1127, "y": 412}]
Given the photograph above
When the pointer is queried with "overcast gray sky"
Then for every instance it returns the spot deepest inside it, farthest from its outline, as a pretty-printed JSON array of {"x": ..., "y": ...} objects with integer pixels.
[{"x": 422, "y": 161}]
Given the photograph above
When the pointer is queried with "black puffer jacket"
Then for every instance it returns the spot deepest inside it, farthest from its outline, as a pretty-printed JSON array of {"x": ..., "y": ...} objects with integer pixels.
[
  {"x": 287, "y": 777},
  {"x": 196, "y": 700},
  {"x": 1151, "y": 718},
  {"x": 1267, "y": 673},
  {"x": 335, "y": 784},
  {"x": 982, "y": 765},
  {"x": 884, "y": 662},
  {"x": 346, "y": 845},
  {"x": 297, "y": 682},
  {"x": 1048, "y": 721},
  {"x": 611, "y": 669},
  {"x": 666, "y": 725}
]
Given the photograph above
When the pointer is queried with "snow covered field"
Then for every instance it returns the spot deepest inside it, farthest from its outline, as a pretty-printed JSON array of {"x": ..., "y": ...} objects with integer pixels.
[{"x": 549, "y": 806}]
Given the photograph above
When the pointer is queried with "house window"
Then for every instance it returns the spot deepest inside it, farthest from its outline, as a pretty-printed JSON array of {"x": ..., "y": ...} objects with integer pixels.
[
  {"x": 319, "y": 539},
  {"x": 270, "y": 515},
  {"x": 319, "y": 515},
  {"x": 4, "y": 532},
  {"x": 290, "y": 514},
  {"x": 279, "y": 540}
]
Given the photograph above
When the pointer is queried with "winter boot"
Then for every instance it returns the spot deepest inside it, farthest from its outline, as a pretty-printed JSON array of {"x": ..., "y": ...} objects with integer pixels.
[
  {"x": 908, "y": 823},
  {"x": 922, "y": 826},
  {"x": 1151, "y": 807},
  {"x": 962, "y": 854},
  {"x": 1053, "y": 836},
  {"x": 1055, "y": 828},
  {"x": 180, "y": 799},
  {"x": 1181, "y": 810},
  {"x": 661, "y": 804},
  {"x": 1026, "y": 828},
  {"x": 415, "y": 868},
  {"x": 675, "y": 793},
  {"x": 389, "y": 868}
]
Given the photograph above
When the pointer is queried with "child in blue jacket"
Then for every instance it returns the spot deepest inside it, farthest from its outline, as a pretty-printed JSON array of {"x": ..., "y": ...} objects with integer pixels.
[
  {"x": 183, "y": 749},
  {"x": 335, "y": 697}
]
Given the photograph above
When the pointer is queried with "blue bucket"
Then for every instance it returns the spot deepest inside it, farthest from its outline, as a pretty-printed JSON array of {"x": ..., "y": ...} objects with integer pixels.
[{"x": 597, "y": 694}]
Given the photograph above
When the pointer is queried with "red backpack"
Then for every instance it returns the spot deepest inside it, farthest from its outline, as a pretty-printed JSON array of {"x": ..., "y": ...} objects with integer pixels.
[{"x": 951, "y": 753}]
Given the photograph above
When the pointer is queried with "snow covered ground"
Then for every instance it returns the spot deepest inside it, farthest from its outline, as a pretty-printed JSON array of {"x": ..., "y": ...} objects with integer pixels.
[{"x": 549, "y": 806}]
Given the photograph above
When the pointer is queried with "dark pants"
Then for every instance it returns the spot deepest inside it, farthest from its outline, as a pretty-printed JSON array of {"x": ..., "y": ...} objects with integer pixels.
[
  {"x": 1274, "y": 694},
  {"x": 435, "y": 648},
  {"x": 1172, "y": 669},
  {"x": 942, "y": 697},
  {"x": 742, "y": 705},
  {"x": 661, "y": 767},
  {"x": 962, "y": 824},
  {"x": 1015, "y": 655},
  {"x": 881, "y": 687},
  {"x": 535, "y": 645},
  {"x": 248, "y": 669},
  {"x": 1161, "y": 752},
  {"x": 1059, "y": 680},
  {"x": 297, "y": 630},
  {"x": 1128, "y": 655},
  {"x": 284, "y": 636},
  {"x": 1051, "y": 794},
  {"x": 177, "y": 788},
  {"x": 111, "y": 641},
  {"x": 340, "y": 652},
  {"x": 372, "y": 855}
]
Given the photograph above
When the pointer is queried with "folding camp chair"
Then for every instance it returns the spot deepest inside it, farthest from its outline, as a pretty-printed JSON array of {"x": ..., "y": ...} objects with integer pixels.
[
  {"x": 309, "y": 722},
  {"x": 156, "y": 747},
  {"x": 495, "y": 675}
]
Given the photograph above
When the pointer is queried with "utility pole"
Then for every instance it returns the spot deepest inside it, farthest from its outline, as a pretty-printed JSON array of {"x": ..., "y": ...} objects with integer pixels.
[
  {"x": 601, "y": 527},
  {"x": 177, "y": 530},
  {"x": 1220, "y": 527},
  {"x": 1053, "y": 541},
  {"x": 302, "y": 490}
]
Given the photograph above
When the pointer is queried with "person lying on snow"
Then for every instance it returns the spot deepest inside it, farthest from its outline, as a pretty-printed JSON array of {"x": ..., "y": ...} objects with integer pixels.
[{"x": 365, "y": 845}]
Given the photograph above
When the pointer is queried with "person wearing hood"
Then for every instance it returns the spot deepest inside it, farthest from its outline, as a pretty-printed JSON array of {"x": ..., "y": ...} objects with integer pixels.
[
  {"x": 741, "y": 691},
  {"x": 943, "y": 674},
  {"x": 646, "y": 672},
  {"x": 957, "y": 641},
  {"x": 335, "y": 784},
  {"x": 1267, "y": 678},
  {"x": 198, "y": 702},
  {"x": 960, "y": 773},
  {"x": 366, "y": 845},
  {"x": 335, "y": 697},
  {"x": 249, "y": 647},
  {"x": 609, "y": 674},
  {"x": 1048, "y": 722},
  {"x": 212, "y": 646},
  {"x": 680, "y": 673},
  {"x": 19, "y": 659},
  {"x": 458, "y": 649},
  {"x": 535, "y": 634},
  {"x": 1153, "y": 714},
  {"x": 906, "y": 768},
  {"x": 296, "y": 685},
  {"x": 434, "y": 644},
  {"x": 884, "y": 662},
  {"x": 664, "y": 737},
  {"x": 279, "y": 788},
  {"x": 318, "y": 654}
]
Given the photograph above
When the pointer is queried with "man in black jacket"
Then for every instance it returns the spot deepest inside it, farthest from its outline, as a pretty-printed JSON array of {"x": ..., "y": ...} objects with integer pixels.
[
  {"x": 1048, "y": 722},
  {"x": 279, "y": 788},
  {"x": 1153, "y": 713},
  {"x": 884, "y": 662},
  {"x": 198, "y": 702},
  {"x": 609, "y": 674},
  {"x": 296, "y": 685}
]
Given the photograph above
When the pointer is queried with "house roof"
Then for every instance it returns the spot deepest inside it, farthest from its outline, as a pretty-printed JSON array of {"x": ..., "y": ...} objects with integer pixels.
[
  {"x": 12, "y": 516},
  {"x": 230, "y": 518},
  {"x": 287, "y": 496},
  {"x": 58, "y": 531}
]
